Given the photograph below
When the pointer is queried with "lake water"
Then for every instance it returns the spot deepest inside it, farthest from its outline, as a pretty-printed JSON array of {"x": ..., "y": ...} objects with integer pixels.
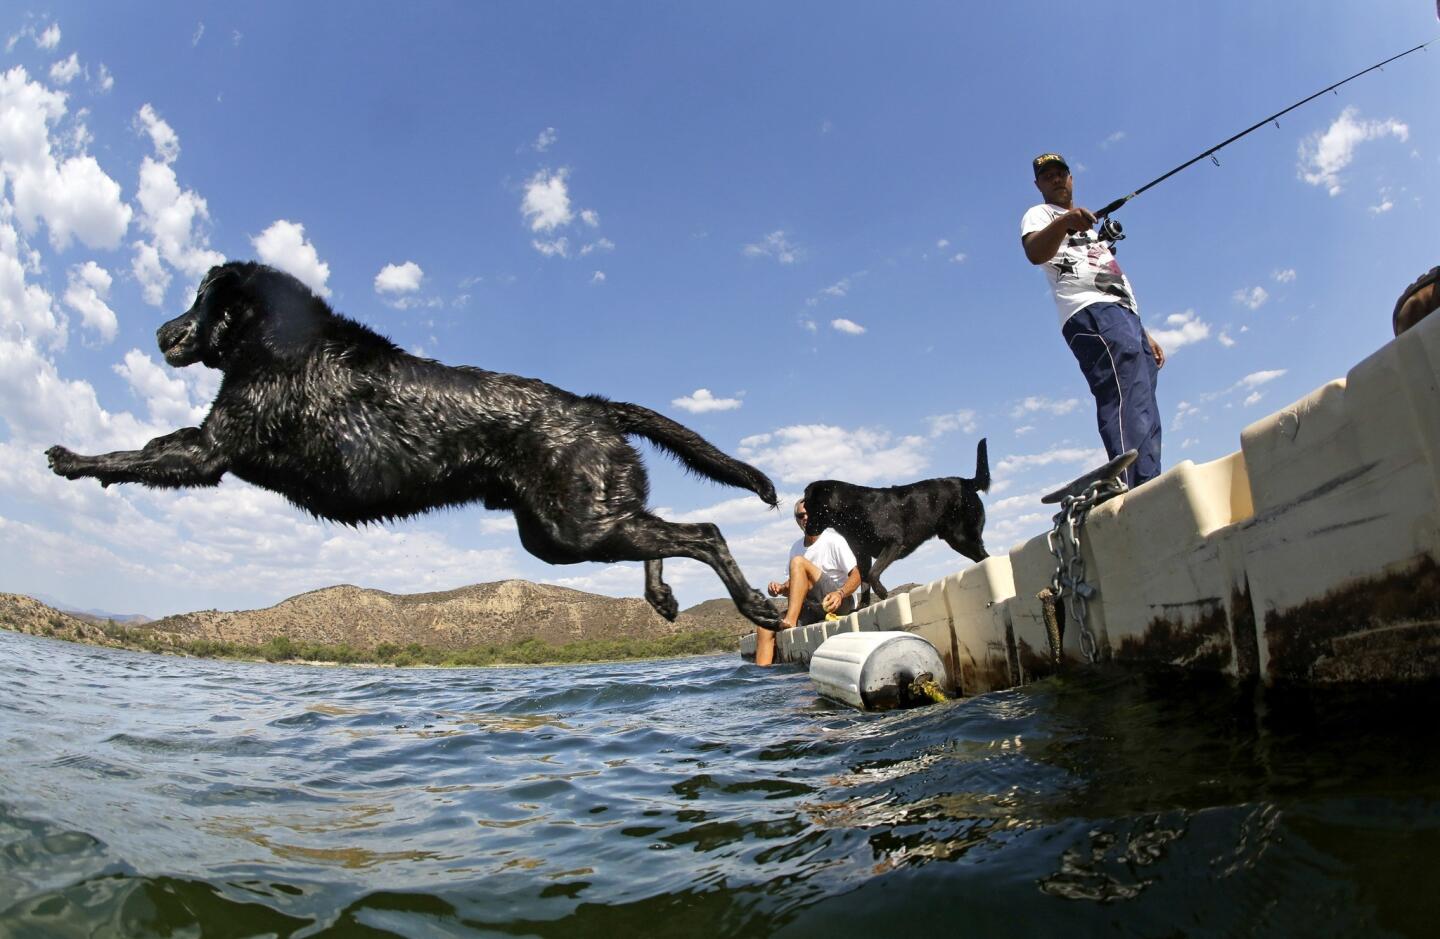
[{"x": 150, "y": 795}]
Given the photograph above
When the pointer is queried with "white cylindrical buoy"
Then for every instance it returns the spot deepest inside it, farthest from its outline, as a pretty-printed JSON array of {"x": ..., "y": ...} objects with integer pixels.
[{"x": 877, "y": 671}]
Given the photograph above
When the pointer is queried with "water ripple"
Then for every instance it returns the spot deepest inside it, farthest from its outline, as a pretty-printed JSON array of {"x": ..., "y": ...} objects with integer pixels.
[{"x": 699, "y": 796}]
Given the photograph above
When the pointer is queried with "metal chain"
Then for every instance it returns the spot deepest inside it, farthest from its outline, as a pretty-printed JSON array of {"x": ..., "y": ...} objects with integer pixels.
[{"x": 1068, "y": 583}]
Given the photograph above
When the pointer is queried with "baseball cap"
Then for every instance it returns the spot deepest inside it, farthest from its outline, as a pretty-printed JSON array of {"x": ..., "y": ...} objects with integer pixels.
[{"x": 1044, "y": 160}]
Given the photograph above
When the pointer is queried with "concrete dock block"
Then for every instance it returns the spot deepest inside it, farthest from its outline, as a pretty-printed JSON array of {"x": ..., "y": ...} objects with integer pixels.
[
  {"x": 1346, "y": 533},
  {"x": 1032, "y": 566},
  {"x": 747, "y": 647},
  {"x": 930, "y": 619},
  {"x": 1162, "y": 588},
  {"x": 889, "y": 615},
  {"x": 981, "y": 629}
]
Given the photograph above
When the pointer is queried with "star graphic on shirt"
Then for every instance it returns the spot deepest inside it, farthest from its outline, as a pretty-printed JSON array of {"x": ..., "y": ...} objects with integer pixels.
[{"x": 1065, "y": 266}]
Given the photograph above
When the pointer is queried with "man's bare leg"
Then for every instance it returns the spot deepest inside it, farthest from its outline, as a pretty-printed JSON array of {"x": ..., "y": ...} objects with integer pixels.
[
  {"x": 764, "y": 645},
  {"x": 803, "y": 576}
]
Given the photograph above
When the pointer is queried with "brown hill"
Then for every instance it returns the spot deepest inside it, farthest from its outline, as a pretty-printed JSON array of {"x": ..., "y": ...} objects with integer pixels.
[
  {"x": 481, "y": 614},
  {"x": 24, "y": 614}
]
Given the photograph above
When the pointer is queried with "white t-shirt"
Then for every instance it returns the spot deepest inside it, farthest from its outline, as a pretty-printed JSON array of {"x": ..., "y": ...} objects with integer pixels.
[
  {"x": 1083, "y": 271},
  {"x": 831, "y": 553}
]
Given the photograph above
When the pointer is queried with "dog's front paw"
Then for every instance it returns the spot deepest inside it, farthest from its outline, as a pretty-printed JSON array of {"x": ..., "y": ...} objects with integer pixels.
[
  {"x": 761, "y": 611},
  {"x": 65, "y": 463},
  {"x": 663, "y": 600}
]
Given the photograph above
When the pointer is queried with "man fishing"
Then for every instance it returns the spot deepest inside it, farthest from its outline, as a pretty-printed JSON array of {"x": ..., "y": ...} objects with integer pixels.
[{"x": 1099, "y": 317}]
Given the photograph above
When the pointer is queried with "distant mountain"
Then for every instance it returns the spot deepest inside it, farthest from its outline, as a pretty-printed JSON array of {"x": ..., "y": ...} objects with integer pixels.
[
  {"x": 481, "y": 614},
  {"x": 99, "y": 616}
]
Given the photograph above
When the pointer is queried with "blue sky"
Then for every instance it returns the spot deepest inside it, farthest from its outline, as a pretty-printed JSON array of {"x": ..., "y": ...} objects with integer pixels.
[{"x": 794, "y": 227}]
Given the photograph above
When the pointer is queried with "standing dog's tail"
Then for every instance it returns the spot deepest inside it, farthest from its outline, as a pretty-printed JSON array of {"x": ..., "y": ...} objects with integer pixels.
[
  {"x": 982, "y": 467},
  {"x": 697, "y": 453}
]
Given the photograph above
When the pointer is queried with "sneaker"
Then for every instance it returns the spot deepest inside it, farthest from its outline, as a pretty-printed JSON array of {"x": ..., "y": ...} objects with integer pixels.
[{"x": 1418, "y": 301}]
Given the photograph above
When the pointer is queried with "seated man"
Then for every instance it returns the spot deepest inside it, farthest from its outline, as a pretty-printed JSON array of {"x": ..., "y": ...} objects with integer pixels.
[{"x": 823, "y": 579}]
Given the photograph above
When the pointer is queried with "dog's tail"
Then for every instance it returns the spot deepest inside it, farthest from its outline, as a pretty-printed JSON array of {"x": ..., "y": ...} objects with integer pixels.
[
  {"x": 697, "y": 453},
  {"x": 982, "y": 467}
]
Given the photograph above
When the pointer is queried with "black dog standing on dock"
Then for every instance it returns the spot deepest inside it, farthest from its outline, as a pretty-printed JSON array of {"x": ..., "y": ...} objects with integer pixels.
[
  {"x": 885, "y": 525},
  {"x": 351, "y": 428}
]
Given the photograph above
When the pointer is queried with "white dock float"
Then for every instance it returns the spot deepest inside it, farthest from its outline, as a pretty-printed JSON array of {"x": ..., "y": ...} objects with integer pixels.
[{"x": 1311, "y": 555}]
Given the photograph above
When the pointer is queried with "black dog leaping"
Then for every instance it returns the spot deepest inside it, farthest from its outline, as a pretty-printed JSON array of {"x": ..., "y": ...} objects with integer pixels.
[
  {"x": 351, "y": 428},
  {"x": 885, "y": 525}
]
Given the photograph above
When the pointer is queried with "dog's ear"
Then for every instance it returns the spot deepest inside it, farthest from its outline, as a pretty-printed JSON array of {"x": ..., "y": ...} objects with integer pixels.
[{"x": 225, "y": 314}]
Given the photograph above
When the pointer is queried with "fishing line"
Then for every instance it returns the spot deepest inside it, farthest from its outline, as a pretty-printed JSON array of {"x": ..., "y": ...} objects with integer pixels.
[{"x": 1275, "y": 118}]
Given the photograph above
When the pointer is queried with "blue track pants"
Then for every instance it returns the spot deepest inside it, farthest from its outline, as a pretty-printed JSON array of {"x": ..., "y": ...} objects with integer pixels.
[{"x": 1110, "y": 346}]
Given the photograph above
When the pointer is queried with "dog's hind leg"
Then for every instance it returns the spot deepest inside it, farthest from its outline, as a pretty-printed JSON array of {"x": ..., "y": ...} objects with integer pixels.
[
  {"x": 658, "y": 593},
  {"x": 644, "y": 537}
]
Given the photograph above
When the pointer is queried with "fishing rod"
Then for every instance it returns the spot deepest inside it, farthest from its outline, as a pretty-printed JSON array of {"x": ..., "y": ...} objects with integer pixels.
[{"x": 1112, "y": 230}]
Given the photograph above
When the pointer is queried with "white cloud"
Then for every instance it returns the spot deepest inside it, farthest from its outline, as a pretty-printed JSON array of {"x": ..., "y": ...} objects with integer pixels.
[
  {"x": 199, "y": 32},
  {"x": 847, "y": 326},
  {"x": 1286, "y": 276},
  {"x": 1024, "y": 429},
  {"x": 399, "y": 278},
  {"x": 165, "y": 393},
  {"x": 1254, "y": 298},
  {"x": 154, "y": 280},
  {"x": 959, "y": 258},
  {"x": 545, "y": 140},
  {"x": 702, "y": 402},
  {"x": 65, "y": 71},
  {"x": 803, "y": 453},
  {"x": 1225, "y": 339},
  {"x": 1252, "y": 398},
  {"x": 942, "y": 244},
  {"x": 560, "y": 247},
  {"x": 105, "y": 82},
  {"x": 74, "y": 198},
  {"x": 50, "y": 38},
  {"x": 162, "y": 135},
  {"x": 1256, "y": 379},
  {"x": 955, "y": 420},
  {"x": 1183, "y": 413},
  {"x": 87, "y": 292},
  {"x": 42, "y": 407},
  {"x": 1034, "y": 404},
  {"x": 1182, "y": 329},
  {"x": 176, "y": 219},
  {"x": 546, "y": 205},
  {"x": 590, "y": 217},
  {"x": 600, "y": 244},
  {"x": 283, "y": 246},
  {"x": 1113, "y": 139},
  {"x": 1323, "y": 156},
  {"x": 1089, "y": 456},
  {"x": 838, "y": 289},
  {"x": 598, "y": 277},
  {"x": 775, "y": 245},
  {"x": 27, "y": 311},
  {"x": 740, "y": 510},
  {"x": 1384, "y": 205}
]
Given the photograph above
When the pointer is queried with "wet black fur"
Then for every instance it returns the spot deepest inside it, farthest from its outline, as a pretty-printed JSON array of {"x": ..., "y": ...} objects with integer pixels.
[
  {"x": 885, "y": 525},
  {"x": 351, "y": 428}
]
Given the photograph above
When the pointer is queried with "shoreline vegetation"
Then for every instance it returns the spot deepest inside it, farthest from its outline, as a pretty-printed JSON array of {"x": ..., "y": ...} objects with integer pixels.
[{"x": 531, "y": 651}]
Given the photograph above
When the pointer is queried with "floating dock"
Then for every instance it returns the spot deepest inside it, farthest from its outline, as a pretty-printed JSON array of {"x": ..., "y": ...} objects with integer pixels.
[{"x": 1309, "y": 556}]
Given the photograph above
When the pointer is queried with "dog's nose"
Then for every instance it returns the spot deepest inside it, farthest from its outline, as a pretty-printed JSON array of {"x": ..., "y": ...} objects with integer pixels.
[{"x": 172, "y": 333}]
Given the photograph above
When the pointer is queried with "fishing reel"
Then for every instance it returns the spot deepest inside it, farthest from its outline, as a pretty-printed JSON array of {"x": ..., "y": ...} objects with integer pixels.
[{"x": 1112, "y": 231}]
